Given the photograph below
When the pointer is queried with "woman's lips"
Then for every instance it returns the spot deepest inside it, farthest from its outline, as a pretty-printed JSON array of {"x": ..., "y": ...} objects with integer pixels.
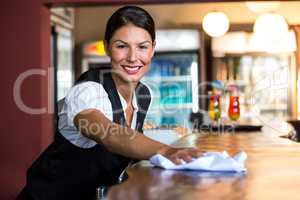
[{"x": 131, "y": 69}]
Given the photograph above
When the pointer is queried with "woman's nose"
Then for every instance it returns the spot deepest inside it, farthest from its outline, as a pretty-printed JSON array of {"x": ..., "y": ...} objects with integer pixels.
[{"x": 132, "y": 55}]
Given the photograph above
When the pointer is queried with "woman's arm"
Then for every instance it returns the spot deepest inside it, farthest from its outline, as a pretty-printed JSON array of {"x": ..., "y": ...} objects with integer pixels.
[{"x": 125, "y": 141}]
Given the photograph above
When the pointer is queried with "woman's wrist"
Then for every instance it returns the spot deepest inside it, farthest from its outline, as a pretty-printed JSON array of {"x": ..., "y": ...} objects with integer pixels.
[{"x": 165, "y": 150}]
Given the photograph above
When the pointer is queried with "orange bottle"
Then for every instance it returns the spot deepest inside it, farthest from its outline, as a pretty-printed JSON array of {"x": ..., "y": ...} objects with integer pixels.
[{"x": 234, "y": 108}]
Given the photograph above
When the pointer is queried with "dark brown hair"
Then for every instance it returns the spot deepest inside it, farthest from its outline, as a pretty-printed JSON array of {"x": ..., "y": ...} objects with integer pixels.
[{"x": 130, "y": 15}]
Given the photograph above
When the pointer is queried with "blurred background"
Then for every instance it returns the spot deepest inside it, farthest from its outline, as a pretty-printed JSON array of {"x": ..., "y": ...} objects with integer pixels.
[
  {"x": 203, "y": 48},
  {"x": 256, "y": 52}
]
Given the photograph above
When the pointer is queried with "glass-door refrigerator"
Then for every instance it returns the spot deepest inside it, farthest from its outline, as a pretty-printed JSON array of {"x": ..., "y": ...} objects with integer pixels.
[{"x": 173, "y": 79}]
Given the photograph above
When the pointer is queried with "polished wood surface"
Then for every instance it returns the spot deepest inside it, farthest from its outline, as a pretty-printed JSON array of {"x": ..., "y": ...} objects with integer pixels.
[{"x": 273, "y": 172}]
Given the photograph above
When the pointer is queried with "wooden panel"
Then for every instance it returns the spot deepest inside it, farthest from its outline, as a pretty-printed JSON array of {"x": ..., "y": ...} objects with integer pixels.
[
  {"x": 296, "y": 29},
  {"x": 121, "y": 2},
  {"x": 25, "y": 45}
]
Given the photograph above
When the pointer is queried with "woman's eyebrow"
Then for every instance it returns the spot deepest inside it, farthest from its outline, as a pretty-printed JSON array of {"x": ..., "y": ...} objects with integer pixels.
[
  {"x": 119, "y": 41},
  {"x": 147, "y": 41}
]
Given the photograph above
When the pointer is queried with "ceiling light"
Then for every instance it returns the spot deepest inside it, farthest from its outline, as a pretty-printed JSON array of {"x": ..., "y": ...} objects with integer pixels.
[
  {"x": 270, "y": 25},
  {"x": 215, "y": 24}
]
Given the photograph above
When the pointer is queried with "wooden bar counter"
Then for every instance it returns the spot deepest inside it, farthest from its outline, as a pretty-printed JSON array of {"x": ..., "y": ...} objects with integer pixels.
[{"x": 273, "y": 172}]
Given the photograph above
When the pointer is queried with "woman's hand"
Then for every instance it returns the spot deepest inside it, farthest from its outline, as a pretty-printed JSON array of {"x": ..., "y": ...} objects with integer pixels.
[{"x": 176, "y": 155}]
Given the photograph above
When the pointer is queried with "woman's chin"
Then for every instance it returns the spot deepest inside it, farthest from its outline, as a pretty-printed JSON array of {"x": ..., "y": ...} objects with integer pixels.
[
  {"x": 130, "y": 78},
  {"x": 133, "y": 79}
]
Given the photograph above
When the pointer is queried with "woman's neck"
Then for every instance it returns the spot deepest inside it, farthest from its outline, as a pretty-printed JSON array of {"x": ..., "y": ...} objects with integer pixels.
[{"x": 126, "y": 89}]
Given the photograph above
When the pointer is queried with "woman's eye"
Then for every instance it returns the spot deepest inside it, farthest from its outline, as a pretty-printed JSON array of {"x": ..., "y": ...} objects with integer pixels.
[
  {"x": 144, "y": 47},
  {"x": 121, "y": 46}
]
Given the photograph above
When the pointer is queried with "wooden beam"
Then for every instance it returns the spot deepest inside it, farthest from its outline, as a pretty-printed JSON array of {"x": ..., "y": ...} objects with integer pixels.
[{"x": 75, "y": 3}]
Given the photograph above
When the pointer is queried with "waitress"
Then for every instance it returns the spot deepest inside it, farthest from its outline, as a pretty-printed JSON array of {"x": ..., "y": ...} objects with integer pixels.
[{"x": 101, "y": 120}]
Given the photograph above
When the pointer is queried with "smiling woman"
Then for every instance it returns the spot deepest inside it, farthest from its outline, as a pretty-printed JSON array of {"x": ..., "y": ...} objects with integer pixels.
[
  {"x": 101, "y": 119},
  {"x": 131, "y": 49}
]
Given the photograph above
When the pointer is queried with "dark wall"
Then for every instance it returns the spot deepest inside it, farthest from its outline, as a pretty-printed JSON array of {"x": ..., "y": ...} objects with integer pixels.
[{"x": 25, "y": 45}]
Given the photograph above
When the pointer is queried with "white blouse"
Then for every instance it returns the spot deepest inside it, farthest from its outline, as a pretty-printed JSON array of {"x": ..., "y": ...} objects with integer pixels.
[{"x": 87, "y": 95}]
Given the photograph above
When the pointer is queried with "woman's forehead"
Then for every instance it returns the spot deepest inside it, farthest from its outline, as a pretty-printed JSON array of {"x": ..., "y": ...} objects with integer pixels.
[{"x": 130, "y": 33}]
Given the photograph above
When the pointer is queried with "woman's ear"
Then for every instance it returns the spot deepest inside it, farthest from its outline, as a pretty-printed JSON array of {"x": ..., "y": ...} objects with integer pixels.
[
  {"x": 153, "y": 47},
  {"x": 106, "y": 48}
]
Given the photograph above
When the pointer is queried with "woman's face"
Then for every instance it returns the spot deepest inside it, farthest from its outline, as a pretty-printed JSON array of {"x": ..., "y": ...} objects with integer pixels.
[{"x": 130, "y": 49}]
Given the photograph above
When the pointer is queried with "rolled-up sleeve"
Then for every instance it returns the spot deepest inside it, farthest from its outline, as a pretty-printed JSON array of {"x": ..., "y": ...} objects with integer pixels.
[{"x": 87, "y": 95}]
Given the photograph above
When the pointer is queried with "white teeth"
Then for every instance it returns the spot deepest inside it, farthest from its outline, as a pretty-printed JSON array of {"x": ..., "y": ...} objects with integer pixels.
[{"x": 131, "y": 68}]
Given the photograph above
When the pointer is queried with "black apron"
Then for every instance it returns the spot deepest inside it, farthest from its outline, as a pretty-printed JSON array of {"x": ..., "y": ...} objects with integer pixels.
[{"x": 65, "y": 171}]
